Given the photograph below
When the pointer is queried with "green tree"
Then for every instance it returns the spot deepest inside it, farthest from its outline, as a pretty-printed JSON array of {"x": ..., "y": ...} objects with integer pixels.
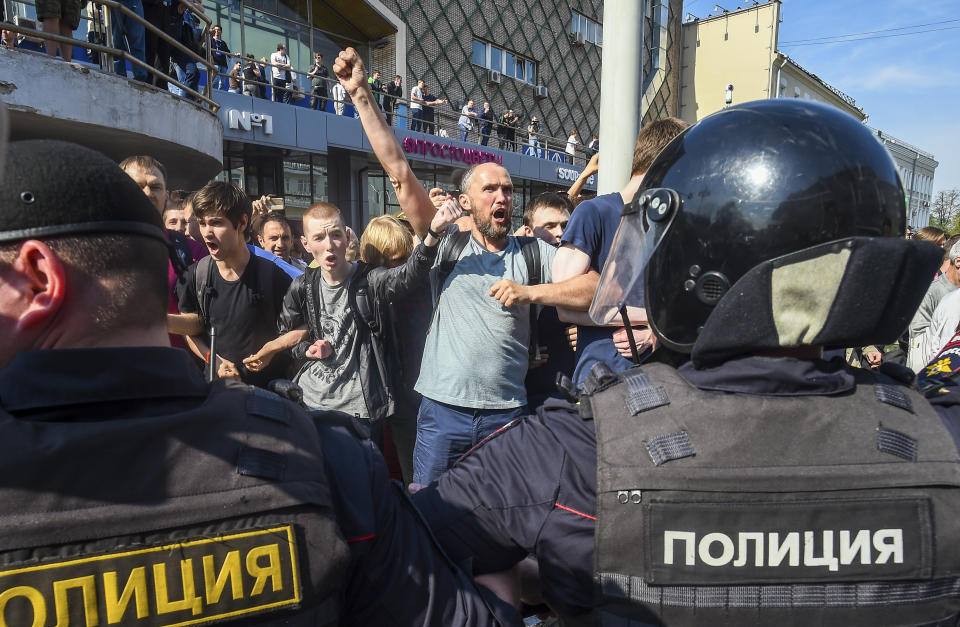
[{"x": 945, "y": 211}]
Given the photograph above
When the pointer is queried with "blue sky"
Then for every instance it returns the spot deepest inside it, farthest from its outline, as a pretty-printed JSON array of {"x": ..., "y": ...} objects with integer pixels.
[{"x": 908, "y": 85}]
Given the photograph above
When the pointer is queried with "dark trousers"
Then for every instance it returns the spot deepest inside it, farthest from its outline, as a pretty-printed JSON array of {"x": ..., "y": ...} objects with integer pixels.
[
  {"x": 416, "y": 115},
  {"x": 318, "y": 98},
  {"x": 484, "y": 136},
  {"x": 157, "y": 49},
  {"x": 279, "y": 93}
]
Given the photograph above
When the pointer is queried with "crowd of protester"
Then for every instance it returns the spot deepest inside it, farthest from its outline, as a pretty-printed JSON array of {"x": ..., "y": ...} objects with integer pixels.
[
  {"x": 437, "y": 326},
  {"x": 371, "y": 326}
]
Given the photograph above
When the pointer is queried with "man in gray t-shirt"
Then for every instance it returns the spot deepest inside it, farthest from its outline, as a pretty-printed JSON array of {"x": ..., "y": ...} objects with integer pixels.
[
  {"x": 333, "y": 383},
  {"x": 476, "y": 353},
  {"x": 474, "y": 361}
]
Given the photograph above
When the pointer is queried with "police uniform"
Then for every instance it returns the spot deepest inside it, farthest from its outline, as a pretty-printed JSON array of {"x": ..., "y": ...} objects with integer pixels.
[
  {"x": 749, "y": 485},
  {"x": 135, "y": 493}
]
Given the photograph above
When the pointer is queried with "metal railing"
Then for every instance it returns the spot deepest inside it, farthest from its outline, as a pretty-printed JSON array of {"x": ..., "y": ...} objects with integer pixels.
[
  {"x": 109, "y": 51},
  {"x": 445, "y": 121}
]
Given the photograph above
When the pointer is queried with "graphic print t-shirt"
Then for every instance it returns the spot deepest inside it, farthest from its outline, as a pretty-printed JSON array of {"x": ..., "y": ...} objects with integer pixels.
[{"x": 334, "y": 383}]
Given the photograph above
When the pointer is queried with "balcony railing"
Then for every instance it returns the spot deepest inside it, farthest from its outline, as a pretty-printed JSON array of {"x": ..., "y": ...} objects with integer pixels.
[{"x": 109, "y": 51}]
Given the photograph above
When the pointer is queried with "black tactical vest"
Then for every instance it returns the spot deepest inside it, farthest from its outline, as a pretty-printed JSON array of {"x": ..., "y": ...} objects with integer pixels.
[
  {"x": 717, "y": 508},
  {"x": 218, "y": 514}
]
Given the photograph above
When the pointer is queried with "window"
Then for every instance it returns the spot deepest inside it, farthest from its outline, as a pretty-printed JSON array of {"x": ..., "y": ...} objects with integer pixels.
[
  {"x": 592, "y": 31},
  {"x": 479, "y": 53},
  {"x": 503, "y": 61}
]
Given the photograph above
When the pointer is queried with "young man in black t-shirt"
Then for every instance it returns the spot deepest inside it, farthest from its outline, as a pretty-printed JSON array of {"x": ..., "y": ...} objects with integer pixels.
[{"x": 236, "y": 292}]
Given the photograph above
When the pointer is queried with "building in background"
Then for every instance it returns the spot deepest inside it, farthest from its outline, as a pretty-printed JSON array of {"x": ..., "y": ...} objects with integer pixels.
[
  {"x": 916, "y": 168},
  {"x": 537, "y": 57},
  {"x": 733, "y": 57}
]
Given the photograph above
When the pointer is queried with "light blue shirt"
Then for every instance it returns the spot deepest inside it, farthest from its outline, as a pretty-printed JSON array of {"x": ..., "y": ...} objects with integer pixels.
[{"x": 476, "y": 352}]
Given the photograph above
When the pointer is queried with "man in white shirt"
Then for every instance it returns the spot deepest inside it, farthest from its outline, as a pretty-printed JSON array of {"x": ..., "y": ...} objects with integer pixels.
[
  {"x": 416, "y": 106},
  {"x": 281, "y": 74},
  {"x": 572, "y": 142}
]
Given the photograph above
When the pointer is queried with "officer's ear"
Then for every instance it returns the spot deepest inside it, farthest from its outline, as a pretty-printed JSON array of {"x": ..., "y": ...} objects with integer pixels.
[{"x": 39, "y": 278}]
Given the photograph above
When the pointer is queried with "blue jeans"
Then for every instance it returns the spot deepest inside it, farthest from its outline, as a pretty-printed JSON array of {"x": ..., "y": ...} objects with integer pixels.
[
  {"x": 415, "y": 116},
  {"x": 136, "y": 39},
  {"x": 223, "y": 78},
  {"x": 464, "y": 131},
  {"x": 446, "y": 432},
  {"x": 187, "y": 74}
]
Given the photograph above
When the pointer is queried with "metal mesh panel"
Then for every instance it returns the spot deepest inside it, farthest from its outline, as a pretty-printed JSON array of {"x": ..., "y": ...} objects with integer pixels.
[{"x": 440, "y": 39}]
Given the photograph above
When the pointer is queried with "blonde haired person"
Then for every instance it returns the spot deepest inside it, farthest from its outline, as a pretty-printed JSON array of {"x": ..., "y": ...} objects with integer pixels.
[{"x": 385, "y": 242}]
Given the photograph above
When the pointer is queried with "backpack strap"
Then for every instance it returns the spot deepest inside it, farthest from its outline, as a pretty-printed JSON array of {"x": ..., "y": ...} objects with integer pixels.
[
  {"x": 531, "y": 254},
  {"x": 449, "y": 259},
  {"x": 203, "y": 284},
  {"x": 310, "y": 298},
  {"x": 362, "y": 297}
]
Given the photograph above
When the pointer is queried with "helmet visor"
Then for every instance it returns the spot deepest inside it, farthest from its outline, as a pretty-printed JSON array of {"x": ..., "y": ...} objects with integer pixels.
[{"x": 643, "y": 225}]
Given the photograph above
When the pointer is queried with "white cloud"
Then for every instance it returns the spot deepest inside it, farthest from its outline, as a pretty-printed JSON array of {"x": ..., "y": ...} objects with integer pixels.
[{"x": 898, "y": 76}]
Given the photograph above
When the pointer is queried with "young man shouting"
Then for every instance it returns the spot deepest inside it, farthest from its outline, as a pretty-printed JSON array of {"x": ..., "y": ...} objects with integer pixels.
[
  {"x": 334, "y": 317},
  {"x": 235, "y": 292}
]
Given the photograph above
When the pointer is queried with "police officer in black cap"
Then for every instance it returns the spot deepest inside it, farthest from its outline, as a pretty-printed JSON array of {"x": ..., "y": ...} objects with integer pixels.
[
  {"x": 756, "y": 483},
  {"x": 134, "y": 493}
]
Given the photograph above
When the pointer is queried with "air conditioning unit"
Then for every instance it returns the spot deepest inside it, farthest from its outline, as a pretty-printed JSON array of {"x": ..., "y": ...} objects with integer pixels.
[
  {"x": 542, "y": 91},
  {"x": 494, "y": 76},
  {"x": 578, "y": 38}
]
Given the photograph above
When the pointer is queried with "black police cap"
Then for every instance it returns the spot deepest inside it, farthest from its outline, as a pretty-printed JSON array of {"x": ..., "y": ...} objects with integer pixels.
[{"x": 54, "y": 188}]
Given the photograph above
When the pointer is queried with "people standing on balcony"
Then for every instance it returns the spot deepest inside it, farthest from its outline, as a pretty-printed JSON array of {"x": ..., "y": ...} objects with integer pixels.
[
  {"x": 572, "y": 142},
  {"x": 376, "y": 85},
  {"x": 265, "y": 72},
  {"x": 126, "y": 26},
  {"x": 486, "y": 123},
  {"x": 252, "y": 78},
  {"x": 465, "y": 123},
  {"x": 236, "y": 77},
  {"x": 318, "y": 76},
  {"x": 339, "y": 98},
  {"x": 594, "y": 145},
  {"x": 507, "y": 129},
  {"x": 218, "y": 53},
  {"x": 533, "y": 132},
  {"x": 156, "y": 49},
  {"x": 59, "y": 17},
  {"x": 181, "y": 27},
  {"x": 428, "y": 124},
  {"x": 514, "y": 124},
  {"x": 281, "y": 74},
  {"x": 416, "y": 106},
  {"x": 394, "y": 92}
]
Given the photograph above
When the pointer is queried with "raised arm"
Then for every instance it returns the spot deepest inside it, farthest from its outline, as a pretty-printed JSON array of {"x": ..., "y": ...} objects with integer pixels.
[
  {"x": 592, "y": 168},
  {"x": 411, "y": 195}
]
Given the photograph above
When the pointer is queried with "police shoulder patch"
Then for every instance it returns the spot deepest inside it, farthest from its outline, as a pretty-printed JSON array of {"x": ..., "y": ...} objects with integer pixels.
[
  {"x": 943, "y": 370},
  {"x": 206, "y": 580}
]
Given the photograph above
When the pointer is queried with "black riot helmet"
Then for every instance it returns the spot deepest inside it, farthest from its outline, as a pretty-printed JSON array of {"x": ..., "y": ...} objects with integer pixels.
[{"x": 759, "y": 184}]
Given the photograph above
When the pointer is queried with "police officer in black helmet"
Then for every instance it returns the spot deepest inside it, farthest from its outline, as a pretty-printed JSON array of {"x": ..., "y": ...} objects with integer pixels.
[
  {"x": 756, "y": 483},
  {"x": 132, "y": 492}
]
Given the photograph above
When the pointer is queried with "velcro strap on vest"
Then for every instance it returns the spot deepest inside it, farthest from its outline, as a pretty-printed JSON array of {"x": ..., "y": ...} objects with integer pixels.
[
  {"x": 664, "y": 448},
  {"x": 267, "y": 405},
  {"x": 642, "y": 395},
  {"x": 892, "y": 395},
  {"x": 896, "y": 443},
  {"x": 256, "y": 462}
]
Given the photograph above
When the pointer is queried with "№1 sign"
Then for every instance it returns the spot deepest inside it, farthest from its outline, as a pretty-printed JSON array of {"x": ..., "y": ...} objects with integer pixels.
[
  {"x": 246, "y": 120},
  {"x": 447, "y": 151}
]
